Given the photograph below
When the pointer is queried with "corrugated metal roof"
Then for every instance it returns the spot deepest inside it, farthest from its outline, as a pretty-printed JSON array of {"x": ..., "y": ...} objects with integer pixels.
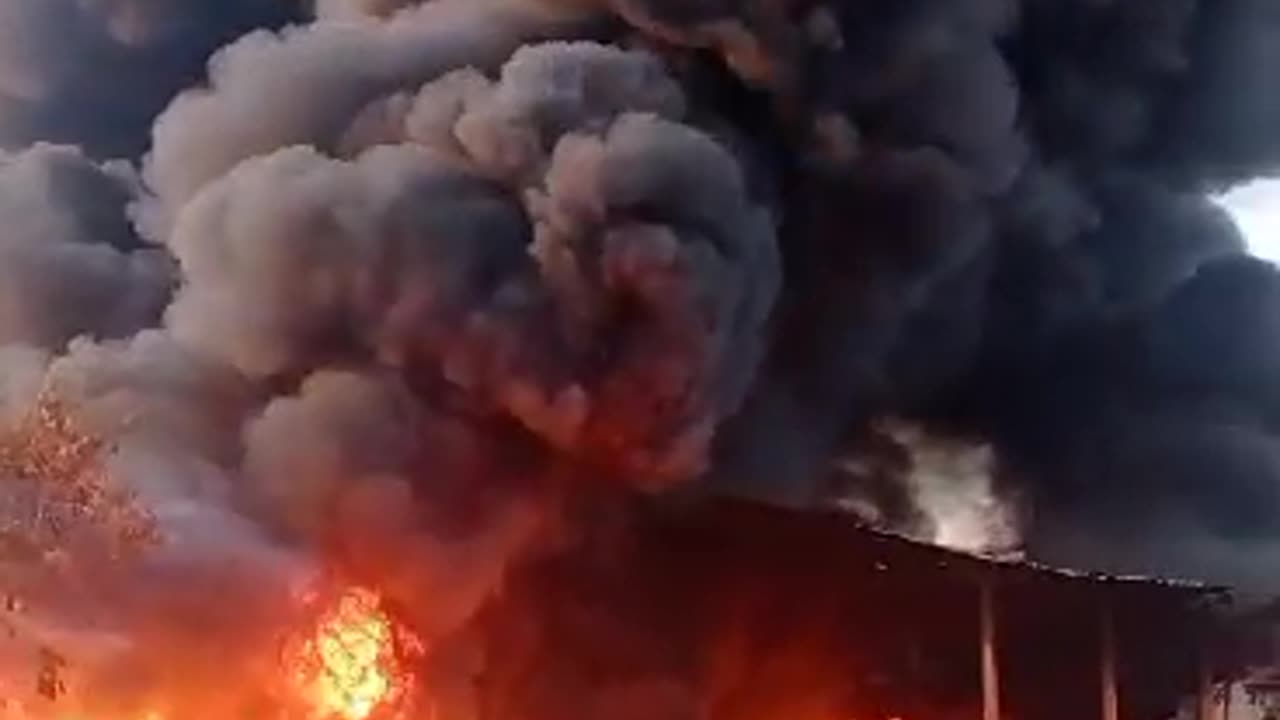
[
  {"x": 847, "y": 522},
  {"x": 1023, "y": 563}
]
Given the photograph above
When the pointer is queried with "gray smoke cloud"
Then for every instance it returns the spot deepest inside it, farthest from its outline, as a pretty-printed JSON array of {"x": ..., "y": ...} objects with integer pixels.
[
  {"x": 70, "y": 263},
  {"x": 496, "y": 251},
  {"x": 327, "y": 71},
  {"x": 409, "y": 310}
]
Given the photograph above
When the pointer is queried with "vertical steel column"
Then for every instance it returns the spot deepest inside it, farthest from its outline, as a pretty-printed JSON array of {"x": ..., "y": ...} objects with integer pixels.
[
  {"x": 990, "y": 664},
  {"x": 1110, "y": 686},
  {"x": 1208, "y": 706}
]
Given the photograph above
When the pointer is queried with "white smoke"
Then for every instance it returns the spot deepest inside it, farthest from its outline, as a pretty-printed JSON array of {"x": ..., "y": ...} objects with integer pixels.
[{"x": 949, "y": 487}]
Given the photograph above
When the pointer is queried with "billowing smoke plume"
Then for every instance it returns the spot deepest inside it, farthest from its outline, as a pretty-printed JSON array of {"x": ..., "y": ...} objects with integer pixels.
[
  {"x": 931, "y": 489},
  {"x": 70, "y": 264},
  {"x": 407, "y": 310},
  {"x": 383, "y": 289}
]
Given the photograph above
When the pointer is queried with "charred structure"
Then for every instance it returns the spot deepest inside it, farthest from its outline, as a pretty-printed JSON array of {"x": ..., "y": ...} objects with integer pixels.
[{"x": 730, "y": 610}]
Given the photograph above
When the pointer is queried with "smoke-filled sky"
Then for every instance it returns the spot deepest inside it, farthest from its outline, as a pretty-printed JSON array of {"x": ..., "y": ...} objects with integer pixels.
[{"x": 384, "y": 285}]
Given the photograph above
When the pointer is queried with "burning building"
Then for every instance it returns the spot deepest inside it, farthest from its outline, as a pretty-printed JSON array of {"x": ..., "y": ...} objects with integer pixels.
[
  {"x": 341, "y": 341},
  {"x": 729, "y": 610}
]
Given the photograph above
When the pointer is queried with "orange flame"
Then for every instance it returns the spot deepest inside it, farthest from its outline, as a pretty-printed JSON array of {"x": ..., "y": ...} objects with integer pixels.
[{"x": 351, "y": 667}]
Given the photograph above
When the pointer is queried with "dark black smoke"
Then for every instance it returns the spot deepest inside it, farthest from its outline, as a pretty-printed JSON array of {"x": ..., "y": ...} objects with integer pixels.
[{"x": 1022, "y": 251}]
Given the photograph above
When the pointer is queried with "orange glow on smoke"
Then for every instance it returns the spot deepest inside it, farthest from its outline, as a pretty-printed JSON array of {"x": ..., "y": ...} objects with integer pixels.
[{"x": 350, "y": 667}]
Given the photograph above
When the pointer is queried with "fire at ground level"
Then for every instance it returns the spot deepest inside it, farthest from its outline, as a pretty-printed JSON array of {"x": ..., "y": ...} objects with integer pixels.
[
  {"x": 348, "y": 659},
  {"x": 726, "y": 611}
]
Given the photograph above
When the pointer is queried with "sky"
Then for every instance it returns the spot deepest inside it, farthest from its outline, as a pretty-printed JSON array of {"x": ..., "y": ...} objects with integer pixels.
[{"x": 1256, "y": 209}]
